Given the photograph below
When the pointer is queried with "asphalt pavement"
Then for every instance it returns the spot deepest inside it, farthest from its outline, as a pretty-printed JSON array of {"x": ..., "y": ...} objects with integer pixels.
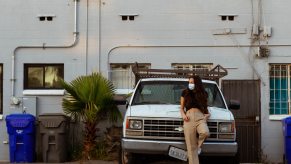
[{"x": 77, "y": 162}]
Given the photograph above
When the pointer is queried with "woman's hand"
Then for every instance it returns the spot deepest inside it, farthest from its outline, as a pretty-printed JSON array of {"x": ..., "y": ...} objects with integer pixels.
[
  {"x": 207, "y": 116},
  {"x": 185, "y": 118}
]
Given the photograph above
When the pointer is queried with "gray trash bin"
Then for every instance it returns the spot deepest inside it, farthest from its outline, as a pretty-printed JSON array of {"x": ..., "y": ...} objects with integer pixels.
[{"x": 54, "y": 136}]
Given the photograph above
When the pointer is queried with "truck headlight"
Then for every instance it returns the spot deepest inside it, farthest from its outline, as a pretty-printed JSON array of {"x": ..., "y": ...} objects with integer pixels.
[
  {"x": 226, "y": 127},
  {"x": 135, "y": 124}
]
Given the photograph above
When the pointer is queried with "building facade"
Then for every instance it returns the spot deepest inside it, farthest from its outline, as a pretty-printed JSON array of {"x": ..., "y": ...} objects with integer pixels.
[{"x": 44, "y": 41}]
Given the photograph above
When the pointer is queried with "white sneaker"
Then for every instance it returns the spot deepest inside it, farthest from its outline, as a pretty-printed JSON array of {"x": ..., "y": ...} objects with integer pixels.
[{"x": 199, "y": 151}]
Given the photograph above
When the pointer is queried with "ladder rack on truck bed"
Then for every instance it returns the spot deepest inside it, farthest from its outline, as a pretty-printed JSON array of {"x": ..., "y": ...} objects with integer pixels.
[{"x": 214, "y": 74}]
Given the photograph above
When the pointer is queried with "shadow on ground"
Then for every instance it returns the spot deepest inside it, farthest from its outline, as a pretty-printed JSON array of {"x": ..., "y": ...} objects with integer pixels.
[{"x": 163, "y": 159}]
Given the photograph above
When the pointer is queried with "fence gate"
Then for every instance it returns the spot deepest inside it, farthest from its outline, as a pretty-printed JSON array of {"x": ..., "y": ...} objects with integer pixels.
[{"x": 248, "y": 123}]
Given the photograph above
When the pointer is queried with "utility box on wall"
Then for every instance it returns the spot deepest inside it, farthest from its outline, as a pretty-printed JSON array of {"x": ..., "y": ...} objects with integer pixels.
[
  {"x": 29, "y": 105},
  {"x": 267, "y": 31}
]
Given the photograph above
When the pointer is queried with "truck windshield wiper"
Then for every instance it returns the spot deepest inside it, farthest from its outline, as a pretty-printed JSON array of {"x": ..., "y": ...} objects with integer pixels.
[{"x": 147, "y": 102}]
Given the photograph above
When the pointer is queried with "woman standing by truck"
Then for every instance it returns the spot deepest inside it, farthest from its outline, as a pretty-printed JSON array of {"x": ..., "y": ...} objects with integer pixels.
[{"x": 194, "y": 100}]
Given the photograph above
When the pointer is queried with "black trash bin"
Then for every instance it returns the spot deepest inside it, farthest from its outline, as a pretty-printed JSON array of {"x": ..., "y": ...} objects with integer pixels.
[
  {"x": 287, "y": 139},
  {"x": 21, "y": 130},
  {"x": 54, "y": 136}
]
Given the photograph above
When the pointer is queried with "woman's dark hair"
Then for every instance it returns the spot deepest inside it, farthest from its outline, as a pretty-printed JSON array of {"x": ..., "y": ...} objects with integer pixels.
[{"x": 200, "y": 93}]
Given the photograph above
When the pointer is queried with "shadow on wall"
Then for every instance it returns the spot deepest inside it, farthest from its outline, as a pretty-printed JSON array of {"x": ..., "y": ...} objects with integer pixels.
[
  {"x": 72, "y": 138},
  {"x": 70, "y": 141}
]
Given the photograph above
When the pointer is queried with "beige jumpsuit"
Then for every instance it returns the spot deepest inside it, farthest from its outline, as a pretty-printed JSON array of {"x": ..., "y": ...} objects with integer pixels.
[{"x": 196, "y": 125}]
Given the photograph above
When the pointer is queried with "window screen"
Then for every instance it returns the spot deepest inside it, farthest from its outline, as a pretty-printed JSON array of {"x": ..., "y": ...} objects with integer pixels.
[
  {"x": 279, "y": 88},
  {"x": 193, "y": 66}
]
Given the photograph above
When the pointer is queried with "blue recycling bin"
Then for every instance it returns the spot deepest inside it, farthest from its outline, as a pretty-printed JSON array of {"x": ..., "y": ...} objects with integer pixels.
[
  {"x": 21, "y": 130},
  {"x": 287, "y": 139}
]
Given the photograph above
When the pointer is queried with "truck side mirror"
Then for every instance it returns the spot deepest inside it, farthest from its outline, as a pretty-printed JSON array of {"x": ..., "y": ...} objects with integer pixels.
[
  {"x": 233, "y": 104},
  {"x": 126, "y": 103},
  {"x": 120, "y": 100}
]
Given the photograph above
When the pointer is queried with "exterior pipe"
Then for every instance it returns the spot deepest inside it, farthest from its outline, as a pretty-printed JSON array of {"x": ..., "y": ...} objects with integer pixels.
[
  {"x": 87, "y": 34},
  {"x": 197, "y": 46},
  {"x": 99, "y": 39},
  {"x": 194, "y": 46},
  {"x": 75, "y": 40}
]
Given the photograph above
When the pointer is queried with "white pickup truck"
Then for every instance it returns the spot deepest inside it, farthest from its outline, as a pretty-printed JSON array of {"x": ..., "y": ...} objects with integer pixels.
[{"x": 153, "y": 124}]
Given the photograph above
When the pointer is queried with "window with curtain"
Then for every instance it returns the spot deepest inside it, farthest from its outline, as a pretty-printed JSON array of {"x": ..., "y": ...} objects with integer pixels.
[
  {"x": 43, "y": 76},
  {"x": 121, "y": 74},
  {"x": 279, "y": 89}
]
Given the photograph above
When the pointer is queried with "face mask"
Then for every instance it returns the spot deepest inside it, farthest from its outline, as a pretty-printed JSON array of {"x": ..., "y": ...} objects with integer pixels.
[{"x": 191, "y": 86}]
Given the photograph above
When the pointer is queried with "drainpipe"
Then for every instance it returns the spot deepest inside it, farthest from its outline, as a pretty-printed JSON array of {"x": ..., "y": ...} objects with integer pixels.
[
  {"x": 43, "y": 46},
  {"x": 87, "y": 34},
  {"x": 99, "y": 33}
]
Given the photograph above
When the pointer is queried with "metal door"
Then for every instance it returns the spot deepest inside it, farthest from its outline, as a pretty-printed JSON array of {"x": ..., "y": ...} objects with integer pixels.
[{"x": 248, "y": 123}]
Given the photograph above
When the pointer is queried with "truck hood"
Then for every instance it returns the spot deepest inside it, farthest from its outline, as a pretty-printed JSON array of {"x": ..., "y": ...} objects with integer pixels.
[{"x": 173, "y": 111}]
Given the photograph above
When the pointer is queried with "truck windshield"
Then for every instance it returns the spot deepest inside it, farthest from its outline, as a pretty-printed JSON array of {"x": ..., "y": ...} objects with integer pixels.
[{"x": 169, "y": 92}]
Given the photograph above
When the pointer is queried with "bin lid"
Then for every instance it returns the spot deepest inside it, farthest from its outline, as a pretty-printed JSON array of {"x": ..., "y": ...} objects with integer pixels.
[
  {"x": 19, "y": 120},
  {"x": 52, "y": 120},
  {"x": 287, "y": 120}
]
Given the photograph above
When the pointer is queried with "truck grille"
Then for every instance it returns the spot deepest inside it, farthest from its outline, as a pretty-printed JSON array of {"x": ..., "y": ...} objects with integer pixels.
[
  {"x": 169, "y": 128},
  {"x": 163, "y": 128},
  {"x": 213, "y": 129},
  {"x": 172, "y": 129}
]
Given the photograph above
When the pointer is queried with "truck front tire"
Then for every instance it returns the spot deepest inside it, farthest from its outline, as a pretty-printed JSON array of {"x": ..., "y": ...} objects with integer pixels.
[
  {"x": 235, "y": 159},
  {"x": 126, "y": 157}
]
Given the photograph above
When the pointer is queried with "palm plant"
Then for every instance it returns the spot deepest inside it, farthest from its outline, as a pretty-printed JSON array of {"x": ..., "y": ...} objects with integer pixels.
[{"x": 90, "y": 98}]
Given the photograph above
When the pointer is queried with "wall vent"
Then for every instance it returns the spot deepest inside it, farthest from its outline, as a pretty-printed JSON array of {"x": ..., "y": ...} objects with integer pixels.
[
  {"x": 125, "y": 17},
  {"x": 227, "y": 17},
  {"x": 46, "y": 17}
]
